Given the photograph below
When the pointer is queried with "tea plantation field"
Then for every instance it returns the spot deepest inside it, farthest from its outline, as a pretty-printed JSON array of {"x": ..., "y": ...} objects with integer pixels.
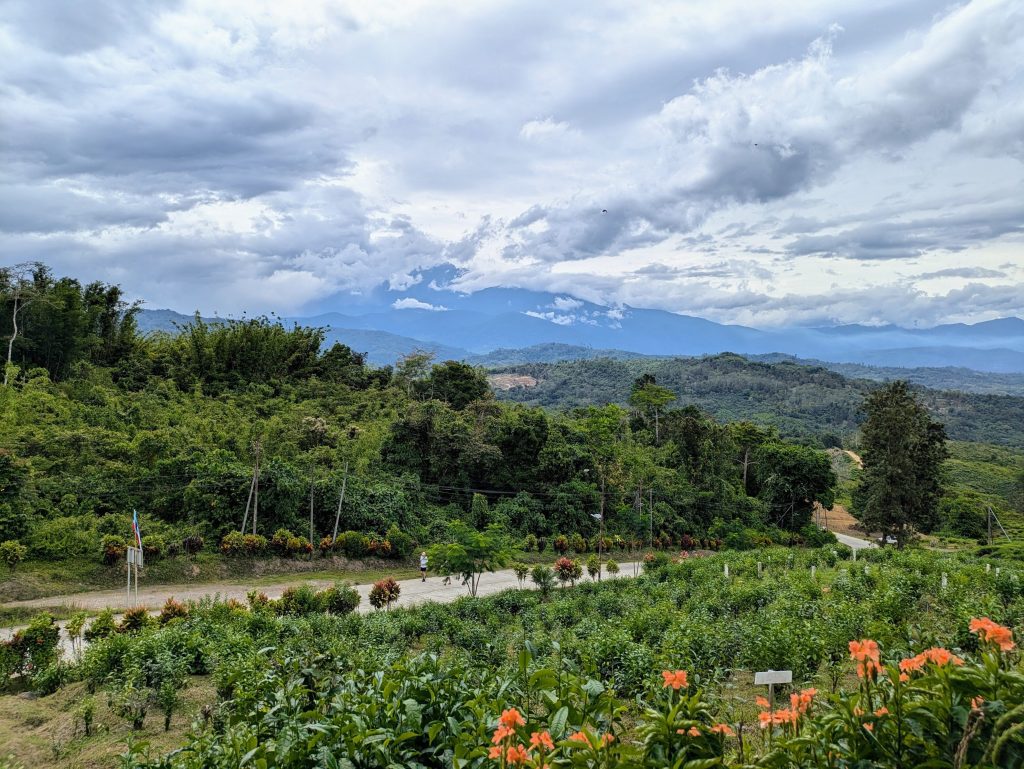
[{"x": 652, "y": 671}]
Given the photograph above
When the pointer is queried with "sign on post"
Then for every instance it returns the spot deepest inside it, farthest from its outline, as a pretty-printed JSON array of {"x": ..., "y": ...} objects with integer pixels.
[
  {"x": 770, "y": 678},
  {"x": 134, "y": 557}
]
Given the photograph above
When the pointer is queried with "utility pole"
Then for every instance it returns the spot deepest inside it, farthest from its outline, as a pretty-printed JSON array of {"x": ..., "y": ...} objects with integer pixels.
[
  {"x": 312, "y": 488},
  {"x": 650, "y": 514},
  {"x": 600, "y": 538},
  {"x": 256, "y": 486},
  {"x": 341, "y": 499}
]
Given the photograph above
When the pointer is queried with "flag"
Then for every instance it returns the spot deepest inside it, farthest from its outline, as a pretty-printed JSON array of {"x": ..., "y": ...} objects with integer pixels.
[{"x": 135, "y": 529}]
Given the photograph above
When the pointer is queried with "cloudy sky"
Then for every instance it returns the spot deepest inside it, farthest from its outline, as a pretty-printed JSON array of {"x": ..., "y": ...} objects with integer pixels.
[{"x": 746, "y": 161}]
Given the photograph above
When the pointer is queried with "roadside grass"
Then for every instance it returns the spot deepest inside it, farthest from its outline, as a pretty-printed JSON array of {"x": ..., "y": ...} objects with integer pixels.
[{"x": 41, "y": 579}]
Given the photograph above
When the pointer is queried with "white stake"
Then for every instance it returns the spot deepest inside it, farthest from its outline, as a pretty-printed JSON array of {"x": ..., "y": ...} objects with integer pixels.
[{"x": 945, "y": 580}]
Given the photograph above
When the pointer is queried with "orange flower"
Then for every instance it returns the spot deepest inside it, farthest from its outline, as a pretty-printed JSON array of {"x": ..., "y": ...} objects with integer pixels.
[
  {"x": 517, "y": 755},
  {"x": 912, "y": 664},
  {"x": 977, "y": 702},
  {"x": 883, "y": 711},
  {"x": 764, "y": 718},
  {"x": 869, "y": 727},
  {"x": 865, "y": 653},
  {"x": 904, "y": 677},
  {"x": 864, "y": 649},
  {"x": 693, "y": 731},
  {"x": 579, "y": 737},
  {"x": 501, "y": 733},
  {"x": 495, "y": 752},
  {"x": 607, "y": 739},
  {"x": 677, "y": 679},
  {"x": 762, "y": 702},
  {"x": 942, "y": 656},
  {"x": 541, "y": 739},
  {"x": 993, "y": 633},
  {"x": 723, "y": 729},
  {"x": 511, "y": 719}
]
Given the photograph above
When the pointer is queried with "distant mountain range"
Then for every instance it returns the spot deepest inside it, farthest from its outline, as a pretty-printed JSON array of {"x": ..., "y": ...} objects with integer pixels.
[{"x": 488, "y": 324}]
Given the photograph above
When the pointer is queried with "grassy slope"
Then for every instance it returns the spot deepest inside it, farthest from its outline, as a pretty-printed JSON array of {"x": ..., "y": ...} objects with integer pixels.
[{"x": 46, "y": 731}]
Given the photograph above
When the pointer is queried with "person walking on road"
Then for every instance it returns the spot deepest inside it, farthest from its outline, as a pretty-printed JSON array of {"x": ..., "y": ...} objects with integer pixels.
[{"x": 423, "y": 565}]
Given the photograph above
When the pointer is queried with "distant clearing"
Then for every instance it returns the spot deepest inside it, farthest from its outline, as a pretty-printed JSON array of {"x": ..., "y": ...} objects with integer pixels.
[{"x": 511, "y": 381}]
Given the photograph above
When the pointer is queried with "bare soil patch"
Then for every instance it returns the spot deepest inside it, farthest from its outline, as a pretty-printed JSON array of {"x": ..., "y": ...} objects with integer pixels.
[{"x": 511, "y": 381}]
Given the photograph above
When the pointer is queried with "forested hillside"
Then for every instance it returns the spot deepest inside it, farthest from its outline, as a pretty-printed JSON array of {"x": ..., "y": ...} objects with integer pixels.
[
  {"x": 800, "y": 401},
  {"x": 100, "y": 421}
]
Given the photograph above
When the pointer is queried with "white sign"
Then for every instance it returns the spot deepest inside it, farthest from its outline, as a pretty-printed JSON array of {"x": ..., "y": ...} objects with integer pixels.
[
  {"x": 772, "y": 677},
  {"x": 134, "y": 555}
]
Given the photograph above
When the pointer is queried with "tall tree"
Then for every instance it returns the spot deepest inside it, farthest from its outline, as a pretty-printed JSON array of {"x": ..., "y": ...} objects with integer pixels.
[
  {"x": 649, "y": 398},
  {"x": 903, "y": 449},
  {"x": 790, "y": 479}
]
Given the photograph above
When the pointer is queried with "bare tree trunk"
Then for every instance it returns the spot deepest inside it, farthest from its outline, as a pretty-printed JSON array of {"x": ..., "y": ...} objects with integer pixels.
[
  {"x": 10, "y": 342},
  {"x": 746, "y": 464}
]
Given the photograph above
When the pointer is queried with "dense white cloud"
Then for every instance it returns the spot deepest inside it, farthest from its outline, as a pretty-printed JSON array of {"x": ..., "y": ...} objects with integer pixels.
[{"x": 752, "y": 162}]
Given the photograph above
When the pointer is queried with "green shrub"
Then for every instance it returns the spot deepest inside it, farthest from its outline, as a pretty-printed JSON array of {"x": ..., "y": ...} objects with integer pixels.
[
  {"x": 568, "y": 570},
  {"x": 544, "y": 578},
  {"x": 51, "y": 678},
  {"x": 57, "y": 539},
  {"x": 280, "y": 541},
  {"x": 134, "y": 619},
  {"x": 153, "y": 546},
  {"x": 85, "y": 711},
  {"x": 172, "y": 610},
  {"x": 299, "y": 601},
  {"x": 113, "y": 549},
  {"x": 402, "y": 545},
  {"x": 384, "y": 592},
  {"x": 522, "y": 571},
  {"x": 101, "y": 627},
  {"x": 340, "y": 599},
  {"x": 353, "y": 544},
  {"x": 12, "y": 553},
  {"x": 192, "y": 544},
  {"x": 31, "y": 651}
]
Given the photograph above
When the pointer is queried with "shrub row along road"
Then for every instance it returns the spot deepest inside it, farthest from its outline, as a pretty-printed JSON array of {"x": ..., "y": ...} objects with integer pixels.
[{"x": 414, "y": 591}]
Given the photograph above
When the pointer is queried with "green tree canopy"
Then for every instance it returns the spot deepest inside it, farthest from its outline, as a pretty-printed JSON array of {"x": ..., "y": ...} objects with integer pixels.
[
  {"x": 790, "y": 479},
  {"x": 903, "y": 449}
]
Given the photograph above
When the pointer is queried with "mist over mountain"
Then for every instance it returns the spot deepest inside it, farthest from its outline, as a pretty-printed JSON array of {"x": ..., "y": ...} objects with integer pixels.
[{"x": 453, "y": 324}]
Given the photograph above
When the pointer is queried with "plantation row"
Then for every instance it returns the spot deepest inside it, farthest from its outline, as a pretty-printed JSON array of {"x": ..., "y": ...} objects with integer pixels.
[{"x": 303, "y": 682}]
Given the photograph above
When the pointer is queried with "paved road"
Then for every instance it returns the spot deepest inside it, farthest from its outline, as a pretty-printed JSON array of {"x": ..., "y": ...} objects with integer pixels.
[{"x": 855, "y": 542}]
